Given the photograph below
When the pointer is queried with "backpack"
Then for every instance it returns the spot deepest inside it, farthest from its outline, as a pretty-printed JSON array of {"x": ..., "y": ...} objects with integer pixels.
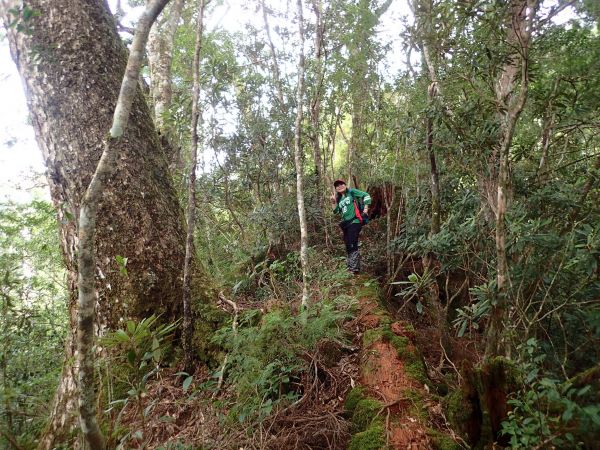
[{"x": 358, "y": 208}]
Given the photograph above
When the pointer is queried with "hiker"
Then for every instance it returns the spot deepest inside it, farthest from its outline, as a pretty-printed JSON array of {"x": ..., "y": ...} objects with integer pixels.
[{"x": 349, "y": 203}]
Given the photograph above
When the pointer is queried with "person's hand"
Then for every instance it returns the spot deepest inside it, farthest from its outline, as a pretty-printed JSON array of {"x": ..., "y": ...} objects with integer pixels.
[
  {"x": 333, "y": 200},
  {"x": 366, "y": 211}
]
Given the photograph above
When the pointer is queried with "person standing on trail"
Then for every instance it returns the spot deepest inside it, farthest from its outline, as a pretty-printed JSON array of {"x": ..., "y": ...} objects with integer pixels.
[{"x": 349, "y": 204}]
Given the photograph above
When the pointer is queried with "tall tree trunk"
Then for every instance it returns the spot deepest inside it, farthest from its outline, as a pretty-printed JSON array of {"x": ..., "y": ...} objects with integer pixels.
[
  {"x": 160, "y": 60},
  {"x": 274, "y": 63},
  {"x": 72, "y": 64},
  {"x": 88, "y": 212},
  {"x": 510, "y": 103},
  {"x": 298, "y": 161},
  {"x": 188, "y": 319},
  {"x": 355, "y": 138},
  {"x": 548, "y": 126},
  {"x": 423, "y": 10},
  {"x": 435, "y": 181},
  {"x": 315, "y": 103}
]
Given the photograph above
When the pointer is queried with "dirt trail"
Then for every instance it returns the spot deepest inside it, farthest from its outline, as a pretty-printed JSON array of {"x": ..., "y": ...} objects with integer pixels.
[
  {"x": 384, "y": 374},
  {"x": 392, "y": 384}
]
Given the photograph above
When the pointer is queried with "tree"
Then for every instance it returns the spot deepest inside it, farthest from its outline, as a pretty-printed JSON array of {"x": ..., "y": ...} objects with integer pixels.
[
  {"x": 72, "y": 60},
  {"x": 298, "y": 161},
  {"x": 160, "y": 60},
  {"x": 362, "y": 17},
  {"x": 188, "y": 271},
  {"x": 510, "y": 104}
]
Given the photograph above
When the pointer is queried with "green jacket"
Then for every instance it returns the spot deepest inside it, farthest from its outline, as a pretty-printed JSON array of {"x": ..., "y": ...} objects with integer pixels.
[{"x": 345, "y": 205}]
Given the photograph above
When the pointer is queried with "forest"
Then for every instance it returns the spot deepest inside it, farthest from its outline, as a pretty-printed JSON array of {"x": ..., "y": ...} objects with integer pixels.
[{"x": 310, "y": 224}]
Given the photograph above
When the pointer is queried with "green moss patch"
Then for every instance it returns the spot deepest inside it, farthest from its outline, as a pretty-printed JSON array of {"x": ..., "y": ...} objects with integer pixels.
[
  {"x": 371, "y": 336},
  {"x": 373, "y": 438},
  {"x": 354, "y": 396},
  {"x": 441, "y": 441},
  {"x": 365, "y": 412}
]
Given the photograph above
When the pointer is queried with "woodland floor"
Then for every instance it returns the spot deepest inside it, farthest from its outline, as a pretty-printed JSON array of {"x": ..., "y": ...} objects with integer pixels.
[{"x": 320, "y": 419}]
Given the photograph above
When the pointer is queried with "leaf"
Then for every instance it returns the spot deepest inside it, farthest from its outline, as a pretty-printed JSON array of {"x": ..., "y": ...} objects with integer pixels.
[
  {"x": 420, "y": 307},
  {"x": 584, "y": 390},
  {"x": 122, "y": 263},
  {"x": 463, "y": 328},
  {"x": 187, "y": 382},
  {"x": 131, "y": 357},
  {"x": 121, "y": 336},
  {"x": 531, "y": 375}
]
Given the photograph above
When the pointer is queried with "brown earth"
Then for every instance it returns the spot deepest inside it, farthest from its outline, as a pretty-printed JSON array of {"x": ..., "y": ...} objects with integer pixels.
[{"x": 384, "y": 375}]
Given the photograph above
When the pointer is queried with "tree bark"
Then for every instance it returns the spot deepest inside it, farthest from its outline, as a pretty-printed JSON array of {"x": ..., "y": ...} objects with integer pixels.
[
  {"x": 188, "y": 318},
  {"x": 315, "y": 103},
  {"x": 160, "y": 59},
  {"x": 72, "y": 64},
  {"x": 87, "y": 229},
  {"x": 298, "y": 161},
  {"x": 510, "y": 103}
]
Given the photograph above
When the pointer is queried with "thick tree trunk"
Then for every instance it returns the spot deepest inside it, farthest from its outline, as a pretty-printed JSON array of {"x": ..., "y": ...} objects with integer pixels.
[
  {"x": 88, "y": 214},
  {"x": 72, "y": 64}
]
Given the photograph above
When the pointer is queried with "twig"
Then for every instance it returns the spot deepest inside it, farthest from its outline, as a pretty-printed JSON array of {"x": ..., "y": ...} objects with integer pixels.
[{"x": 234, "y": 327}]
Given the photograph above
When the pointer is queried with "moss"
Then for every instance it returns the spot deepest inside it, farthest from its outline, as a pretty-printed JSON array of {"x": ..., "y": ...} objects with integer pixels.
[
  {"x": 369, "y": 289},
  {"x": 354, "y": 396},
  {"x": 416, "y": 370},
  {"x": 373, "y": 438},
  {"x": 441, "y": 441},
  {"x": 371, "y": 336},
  {"x": 409, "y": 328},
  {"x": 416, "y": 404},
  {"x": 365, "y": 412},
  {"x": 458, "y": 408},
  {"x": 213, "y": 318},
  {"x": 413, "y": 364},
  {"x": 400, "y": 343}
]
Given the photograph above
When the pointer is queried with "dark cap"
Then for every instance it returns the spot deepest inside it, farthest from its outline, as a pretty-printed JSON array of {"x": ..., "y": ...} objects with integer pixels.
[{"x": 336, "y": 183}]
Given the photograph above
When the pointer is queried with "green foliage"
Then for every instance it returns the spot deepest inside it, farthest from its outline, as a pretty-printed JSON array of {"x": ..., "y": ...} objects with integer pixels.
[
  {"x": 365, "y": 411},
  {"x": 353, "y": 397},
  {"x": 547, "y": 411},
  {"x": 33, "y": 300},
  {"x": 267, "y": 354},
  {"x": 373, "y": 438},
  {"x": 416, "y": 287},
  {"x": 135, "y": 353}
]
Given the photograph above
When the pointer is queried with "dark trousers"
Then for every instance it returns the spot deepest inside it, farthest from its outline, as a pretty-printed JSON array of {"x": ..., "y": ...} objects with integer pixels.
[{"x": 351, "y": 232}]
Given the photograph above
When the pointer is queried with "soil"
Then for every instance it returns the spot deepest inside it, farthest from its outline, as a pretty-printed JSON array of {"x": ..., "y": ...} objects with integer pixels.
[{"x": 384, "y": 375}]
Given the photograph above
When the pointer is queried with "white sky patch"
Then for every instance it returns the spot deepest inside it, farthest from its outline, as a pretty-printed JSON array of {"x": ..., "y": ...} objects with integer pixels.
[
  {"x": 21, "y": 162},
  {"x": 20, "y": 159}
]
